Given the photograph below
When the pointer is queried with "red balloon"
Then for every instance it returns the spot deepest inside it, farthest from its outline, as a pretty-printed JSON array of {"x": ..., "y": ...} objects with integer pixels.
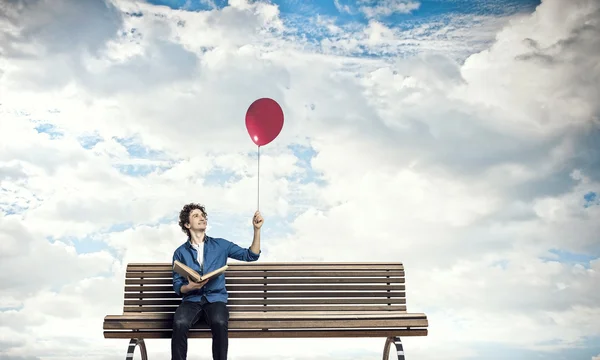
[{"x": 264, "y": 121}]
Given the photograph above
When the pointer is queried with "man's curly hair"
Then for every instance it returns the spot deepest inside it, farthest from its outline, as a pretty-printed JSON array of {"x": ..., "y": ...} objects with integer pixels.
[{"x": 184, "y": 215}]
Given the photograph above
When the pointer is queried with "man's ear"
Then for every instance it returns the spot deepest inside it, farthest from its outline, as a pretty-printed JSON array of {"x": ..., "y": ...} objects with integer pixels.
[{"x": 187, "y": 225}]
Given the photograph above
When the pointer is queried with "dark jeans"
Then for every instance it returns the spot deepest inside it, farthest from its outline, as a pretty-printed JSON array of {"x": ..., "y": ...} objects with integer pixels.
[{"x": 188, "y": 314}]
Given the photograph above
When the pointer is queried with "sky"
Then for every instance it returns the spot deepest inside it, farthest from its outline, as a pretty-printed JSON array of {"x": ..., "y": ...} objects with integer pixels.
[{"x": 459, "y": 137}]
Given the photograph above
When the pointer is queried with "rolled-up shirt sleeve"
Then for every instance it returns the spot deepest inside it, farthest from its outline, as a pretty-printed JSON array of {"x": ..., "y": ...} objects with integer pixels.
[
  {"x": 243, "y": 254},
  {"x": 178, "y": 280}
]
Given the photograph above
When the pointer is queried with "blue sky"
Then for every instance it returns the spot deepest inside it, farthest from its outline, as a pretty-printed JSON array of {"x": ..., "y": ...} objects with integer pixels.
[
  {"x": 217, "y": 176},
  {"x": 344, "y": 13},
  {"x": 427, "y": 9},
  {"x": 586, "y": 350},
  {"x": 298, "y": 12},
  {"x": 472, "y": 167},
  {"x": 430, "y": 16},
  {"x": 571, "y": 258}
]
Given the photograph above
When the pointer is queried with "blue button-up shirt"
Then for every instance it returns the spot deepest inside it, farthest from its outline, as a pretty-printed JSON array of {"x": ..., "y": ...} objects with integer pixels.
[{"x": 216, "y": 252}]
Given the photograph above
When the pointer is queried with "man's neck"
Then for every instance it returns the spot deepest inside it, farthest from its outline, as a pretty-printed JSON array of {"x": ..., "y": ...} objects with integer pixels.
[{"x": 197, "y": 237}]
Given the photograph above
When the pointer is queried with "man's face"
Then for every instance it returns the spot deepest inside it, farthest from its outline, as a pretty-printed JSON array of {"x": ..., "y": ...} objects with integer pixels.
[{"x": 197, "y": 220}]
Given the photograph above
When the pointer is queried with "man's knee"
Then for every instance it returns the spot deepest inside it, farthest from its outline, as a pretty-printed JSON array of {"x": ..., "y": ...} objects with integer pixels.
[
  {"x": 181, "y": 325},
  {"x": 220, "y": 322},
  {"x": 220, "y": 319}
]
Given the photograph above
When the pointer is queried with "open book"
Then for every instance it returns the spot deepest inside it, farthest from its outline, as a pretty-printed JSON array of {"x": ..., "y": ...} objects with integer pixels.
[{"x": 186, "y": 271}]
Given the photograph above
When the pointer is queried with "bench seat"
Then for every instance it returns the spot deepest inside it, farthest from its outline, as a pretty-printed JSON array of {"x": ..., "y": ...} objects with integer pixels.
[{"x": 360, "y": 322}]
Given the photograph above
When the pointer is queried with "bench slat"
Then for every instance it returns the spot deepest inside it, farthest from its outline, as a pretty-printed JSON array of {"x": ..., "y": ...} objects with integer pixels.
[
  {"x": 283, "y": 315},
  {"x": 272, "y": 294},
  {"x": 205, "y": 333},
  {"x": 274, "y": 324},
  {"x": 240, "y": 308},
  {"x": 270, "y": 280},
  {"x": 269, "y": 288},
  {"x": 233, "y": 273},
  {"x": 283, "y": 266},
  {"x": 268, "y": 302}
]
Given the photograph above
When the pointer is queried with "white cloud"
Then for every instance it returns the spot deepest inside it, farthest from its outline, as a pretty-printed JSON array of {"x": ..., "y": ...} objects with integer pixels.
[
  {"x": 374, "y": 9},
  {"x": 341, "y": 7},
  {"x": 542, "y": 57},
  {"x": 455, "y": 36},
  {"x": 471, "y": 174}
]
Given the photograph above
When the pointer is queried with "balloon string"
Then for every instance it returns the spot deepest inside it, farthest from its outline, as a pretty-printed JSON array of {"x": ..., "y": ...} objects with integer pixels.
[{"x": 258, "y": 193}]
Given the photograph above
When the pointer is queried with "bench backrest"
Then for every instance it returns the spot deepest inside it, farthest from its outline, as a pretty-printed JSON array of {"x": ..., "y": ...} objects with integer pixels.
[{"x": 264, "y": 286}]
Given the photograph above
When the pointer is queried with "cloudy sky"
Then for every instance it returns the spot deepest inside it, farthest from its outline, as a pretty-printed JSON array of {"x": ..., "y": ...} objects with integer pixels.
[{"x": 460, "y": 137}]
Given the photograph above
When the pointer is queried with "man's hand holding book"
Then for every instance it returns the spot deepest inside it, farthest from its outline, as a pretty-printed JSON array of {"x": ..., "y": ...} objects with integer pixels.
[{"x": 193, "y": 285}]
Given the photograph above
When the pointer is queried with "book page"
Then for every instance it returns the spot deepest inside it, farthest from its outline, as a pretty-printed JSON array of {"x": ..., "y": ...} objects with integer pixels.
[
  {"x": 214, "y": 273},
  {"x": 186, "y": 271}
]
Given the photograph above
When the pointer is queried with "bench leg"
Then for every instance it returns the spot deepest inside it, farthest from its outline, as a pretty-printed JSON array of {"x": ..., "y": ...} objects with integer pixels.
[
  {"x": 399, "y": 349},
  {"x": 131, "y": 350}
]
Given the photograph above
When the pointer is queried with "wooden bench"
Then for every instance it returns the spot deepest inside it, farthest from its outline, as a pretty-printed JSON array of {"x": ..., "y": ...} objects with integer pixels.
[{"x": 277, "y": 300}]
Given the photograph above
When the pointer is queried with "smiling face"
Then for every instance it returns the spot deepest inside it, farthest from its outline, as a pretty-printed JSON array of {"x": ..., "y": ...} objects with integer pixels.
[
  {"x": 192, "y": 217},
  {"x": 197, "y": 220}
]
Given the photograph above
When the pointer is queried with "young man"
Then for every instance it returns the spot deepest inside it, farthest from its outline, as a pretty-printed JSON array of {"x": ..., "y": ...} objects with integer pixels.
[{"x": 205, "y": 300}]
